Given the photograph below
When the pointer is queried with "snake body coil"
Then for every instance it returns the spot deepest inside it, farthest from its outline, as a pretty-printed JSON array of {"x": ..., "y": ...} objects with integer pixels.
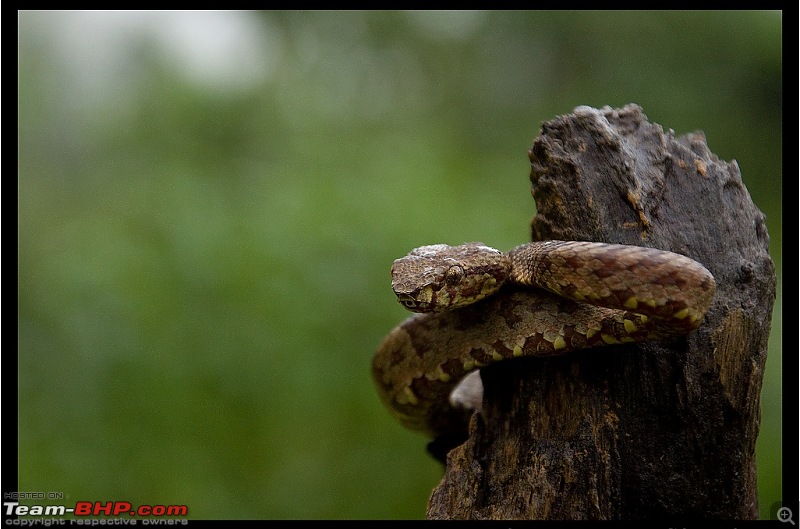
[{"x": 586, "y": 295}]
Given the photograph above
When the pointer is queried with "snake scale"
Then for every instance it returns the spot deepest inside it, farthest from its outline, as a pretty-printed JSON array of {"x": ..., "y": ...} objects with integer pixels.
[{"x": 559, "y": 296}]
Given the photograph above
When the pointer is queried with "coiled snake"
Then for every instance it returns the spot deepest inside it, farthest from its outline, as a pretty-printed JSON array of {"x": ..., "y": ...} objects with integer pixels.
[{"x": 586, "y": 295}]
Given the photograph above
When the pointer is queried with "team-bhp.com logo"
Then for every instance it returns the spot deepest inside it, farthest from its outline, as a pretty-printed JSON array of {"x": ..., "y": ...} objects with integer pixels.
[{"x": 94, "y": 508}]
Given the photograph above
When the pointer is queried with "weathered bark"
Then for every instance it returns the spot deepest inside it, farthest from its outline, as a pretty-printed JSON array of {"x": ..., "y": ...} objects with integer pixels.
[{"x": 653, "y": 430}]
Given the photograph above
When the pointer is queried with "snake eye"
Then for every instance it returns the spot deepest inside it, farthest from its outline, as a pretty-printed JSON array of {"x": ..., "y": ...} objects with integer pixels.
[{"x": 454, "y": 275}]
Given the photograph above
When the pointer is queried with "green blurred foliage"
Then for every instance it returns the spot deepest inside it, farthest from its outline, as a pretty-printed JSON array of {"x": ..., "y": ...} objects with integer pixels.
[{"x": 203, "y": 267}]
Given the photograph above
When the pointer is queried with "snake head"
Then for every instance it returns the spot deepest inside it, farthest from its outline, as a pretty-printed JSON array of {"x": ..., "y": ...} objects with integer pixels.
[{"x": 441, "y": 277}]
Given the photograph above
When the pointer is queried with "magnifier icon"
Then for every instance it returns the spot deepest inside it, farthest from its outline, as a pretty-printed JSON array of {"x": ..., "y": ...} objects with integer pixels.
[{"x": 785, "y": 515}]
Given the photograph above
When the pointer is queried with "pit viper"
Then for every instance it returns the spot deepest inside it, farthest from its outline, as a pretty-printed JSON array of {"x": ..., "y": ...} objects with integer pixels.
[{"x": 557, "y": 297}]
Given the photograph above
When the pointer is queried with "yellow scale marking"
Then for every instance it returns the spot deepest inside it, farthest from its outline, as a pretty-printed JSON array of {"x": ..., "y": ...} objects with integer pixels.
[
  {"x": 631, "y": 303},
  {"x": 681, "y": 314}
]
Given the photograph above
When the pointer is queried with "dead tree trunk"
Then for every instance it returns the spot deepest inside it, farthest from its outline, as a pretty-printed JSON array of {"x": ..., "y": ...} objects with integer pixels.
[{"x": 654, "y": 430}]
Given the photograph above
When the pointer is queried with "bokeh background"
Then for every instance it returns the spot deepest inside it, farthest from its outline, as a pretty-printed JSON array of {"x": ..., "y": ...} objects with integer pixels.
[{"x": 209, "y": 204}]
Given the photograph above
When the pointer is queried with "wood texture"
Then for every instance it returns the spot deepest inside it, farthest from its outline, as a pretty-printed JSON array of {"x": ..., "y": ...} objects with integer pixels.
[{"x": 661, "y": 429}]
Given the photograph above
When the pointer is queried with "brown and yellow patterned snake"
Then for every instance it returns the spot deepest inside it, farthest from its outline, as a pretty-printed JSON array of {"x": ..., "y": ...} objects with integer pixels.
[{"x": 586, "y": 294}]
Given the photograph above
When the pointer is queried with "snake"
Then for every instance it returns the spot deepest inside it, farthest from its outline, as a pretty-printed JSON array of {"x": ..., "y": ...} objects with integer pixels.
[{"x": 475, "y": 305}]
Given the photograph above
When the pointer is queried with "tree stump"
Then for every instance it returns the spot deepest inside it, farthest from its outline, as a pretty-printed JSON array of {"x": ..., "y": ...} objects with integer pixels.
[{"x": 653, "y": 430}]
